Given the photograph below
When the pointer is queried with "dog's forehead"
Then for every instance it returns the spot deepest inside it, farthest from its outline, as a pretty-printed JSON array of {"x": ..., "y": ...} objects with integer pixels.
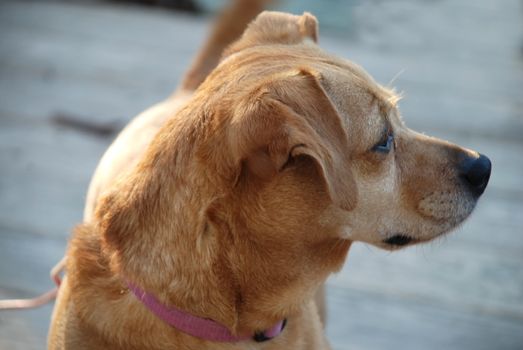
[
  {"x": 353, "y": 91},
  {"x": 347, "y": 80},
  {"x": 364, "y": 105}
]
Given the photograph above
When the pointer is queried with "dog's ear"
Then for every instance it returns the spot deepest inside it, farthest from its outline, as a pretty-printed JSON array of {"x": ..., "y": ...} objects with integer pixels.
[
  {"x": 277, "y": 28},
  {"x": 292, "y": 116}
]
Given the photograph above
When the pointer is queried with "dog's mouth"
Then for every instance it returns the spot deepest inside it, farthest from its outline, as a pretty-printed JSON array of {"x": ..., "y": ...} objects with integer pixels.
[{"x": 399, "y": 240}]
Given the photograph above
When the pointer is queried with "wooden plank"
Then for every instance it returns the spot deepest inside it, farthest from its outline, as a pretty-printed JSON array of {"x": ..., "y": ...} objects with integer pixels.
[
  {"x": 362, "y": 320},
  {"x": 24, "y": 272}
]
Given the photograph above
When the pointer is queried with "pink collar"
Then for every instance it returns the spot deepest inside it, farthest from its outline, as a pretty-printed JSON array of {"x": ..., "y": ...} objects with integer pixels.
[{"x": 199, "y": 327}]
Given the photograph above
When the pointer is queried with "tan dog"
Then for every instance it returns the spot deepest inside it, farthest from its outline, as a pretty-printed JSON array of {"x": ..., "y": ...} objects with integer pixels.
[{"x": 238, "y": 205}]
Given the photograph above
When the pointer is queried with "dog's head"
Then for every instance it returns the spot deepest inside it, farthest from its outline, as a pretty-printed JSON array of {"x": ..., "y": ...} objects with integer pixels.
[
  {"x": 284, "y": 157},
  {"x": 387, "y": 185}
]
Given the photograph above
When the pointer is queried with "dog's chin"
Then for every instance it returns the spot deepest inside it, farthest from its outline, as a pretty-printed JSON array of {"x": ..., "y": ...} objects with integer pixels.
[{"x": 398, "y": 240}]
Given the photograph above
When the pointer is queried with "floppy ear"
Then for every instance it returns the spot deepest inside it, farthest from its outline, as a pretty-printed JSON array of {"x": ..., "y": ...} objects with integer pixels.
[
  {"x": 277, "y": 28},
  {"x": 293, "y": 117}
]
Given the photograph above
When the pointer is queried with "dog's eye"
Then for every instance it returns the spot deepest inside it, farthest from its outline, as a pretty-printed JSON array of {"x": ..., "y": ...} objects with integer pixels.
[{"x": 385, "y": 145}]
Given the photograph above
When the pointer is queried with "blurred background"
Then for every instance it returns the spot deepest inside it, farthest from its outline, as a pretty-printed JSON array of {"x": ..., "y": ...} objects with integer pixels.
[{"x": 72, "y": 73}]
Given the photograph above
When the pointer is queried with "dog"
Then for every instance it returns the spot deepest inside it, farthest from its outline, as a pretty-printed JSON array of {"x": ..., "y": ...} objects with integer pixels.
[{"x": 215, "y": 216}]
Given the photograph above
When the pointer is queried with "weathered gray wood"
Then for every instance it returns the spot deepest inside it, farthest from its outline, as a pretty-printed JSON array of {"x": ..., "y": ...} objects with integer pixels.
[
  {"x": 104, "y": 63},
  {"x": 375, "y": 320}
]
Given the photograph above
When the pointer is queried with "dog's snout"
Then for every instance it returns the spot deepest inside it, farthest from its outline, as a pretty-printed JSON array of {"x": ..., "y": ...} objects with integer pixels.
[{"x": 476, "y": 173}]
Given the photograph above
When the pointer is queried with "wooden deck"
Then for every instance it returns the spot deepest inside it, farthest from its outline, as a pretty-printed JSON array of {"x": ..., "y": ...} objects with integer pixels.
[{"x": 462, "y": 64}]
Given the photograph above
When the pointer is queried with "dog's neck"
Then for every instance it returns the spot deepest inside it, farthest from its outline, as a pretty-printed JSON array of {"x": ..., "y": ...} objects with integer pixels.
[
  {"x": 102, "y": 299},
  {"x": 203, "y": 328}
]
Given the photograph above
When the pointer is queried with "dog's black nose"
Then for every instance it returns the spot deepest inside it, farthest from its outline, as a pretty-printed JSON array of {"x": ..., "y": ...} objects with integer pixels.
[{"x": 476, "y": 172}]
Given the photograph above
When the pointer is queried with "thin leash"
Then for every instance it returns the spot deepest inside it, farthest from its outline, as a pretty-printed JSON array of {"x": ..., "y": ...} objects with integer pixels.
[{"x": 17, "y": 304}]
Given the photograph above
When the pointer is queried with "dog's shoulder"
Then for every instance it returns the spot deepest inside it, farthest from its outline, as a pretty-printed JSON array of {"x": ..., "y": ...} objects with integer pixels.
[{"x": 129, "y": 147}]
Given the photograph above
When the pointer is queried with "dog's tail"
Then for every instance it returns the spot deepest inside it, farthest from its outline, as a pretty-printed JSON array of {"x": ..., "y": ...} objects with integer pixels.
[{"x": 228, "y": 27}]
